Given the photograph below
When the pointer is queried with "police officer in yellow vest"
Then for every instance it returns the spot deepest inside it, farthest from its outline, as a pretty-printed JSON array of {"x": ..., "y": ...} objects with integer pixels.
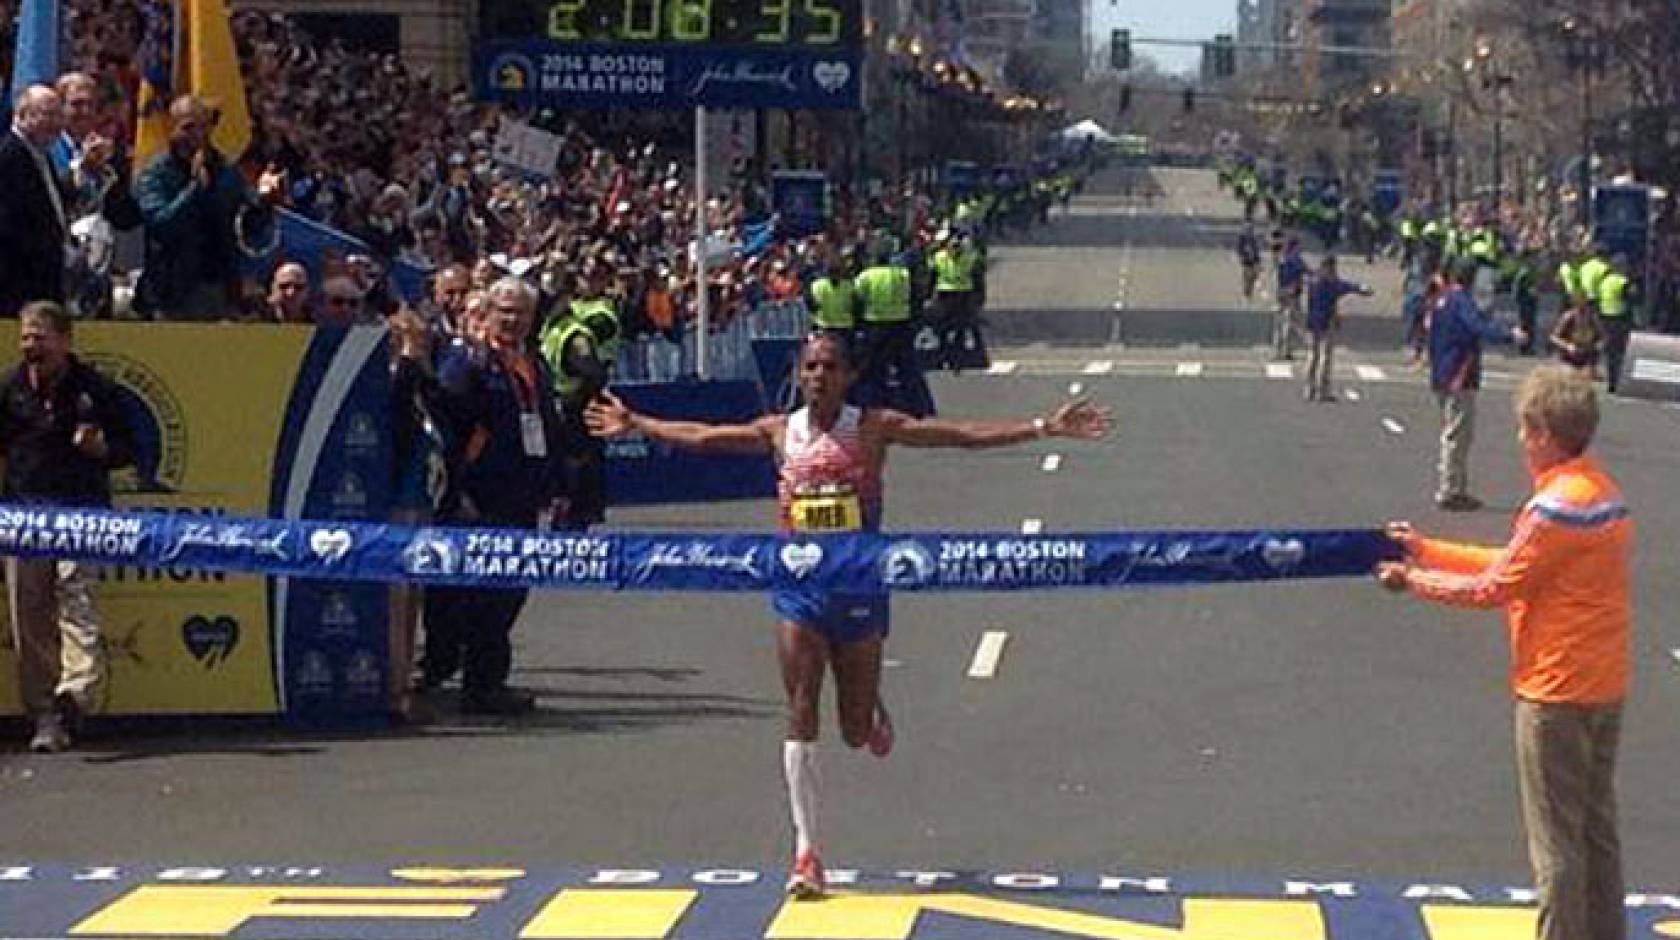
[
  {"x": 1614, "y": 314},
  {"x": 1590, "y": 274},
  {"x": 958, "y": 276},
  {"x": 833, "y": 298},
  {"x": 580, "y": 347},
  {"x": 891, "y": 376}
]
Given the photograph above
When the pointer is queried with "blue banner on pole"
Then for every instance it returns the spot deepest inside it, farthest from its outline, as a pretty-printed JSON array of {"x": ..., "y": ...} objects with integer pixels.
[
  {"x": 1622, "y": 220},
  {"x": 801, "y": 201},
  {"x": 317, "y": 246},
  {"x": 861, "y": 563},
  {"x": 538, "y": 73}
]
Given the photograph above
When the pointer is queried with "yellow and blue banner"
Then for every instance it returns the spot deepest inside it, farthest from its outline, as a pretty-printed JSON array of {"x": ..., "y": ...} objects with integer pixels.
[
  {"x": 187, "y": 48},
  {"x": 267, "y": 420}
]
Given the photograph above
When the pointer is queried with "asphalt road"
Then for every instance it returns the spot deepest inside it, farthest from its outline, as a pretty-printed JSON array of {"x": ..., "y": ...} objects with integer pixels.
[{"x": 1323, "y": 731}]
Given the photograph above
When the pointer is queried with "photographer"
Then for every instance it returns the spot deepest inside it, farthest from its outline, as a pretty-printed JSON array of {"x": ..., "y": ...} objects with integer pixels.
[{"x": 190, "y": 198}]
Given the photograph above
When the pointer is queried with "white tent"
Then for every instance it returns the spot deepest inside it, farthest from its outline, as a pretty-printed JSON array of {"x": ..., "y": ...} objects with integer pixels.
[{"x": 1086, "y": 129}]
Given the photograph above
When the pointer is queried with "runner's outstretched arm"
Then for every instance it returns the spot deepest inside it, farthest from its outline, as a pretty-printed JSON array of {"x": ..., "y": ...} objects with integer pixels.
[
  {"x": 608, "y": 417},
  {"x": 1075, "y": 419}
]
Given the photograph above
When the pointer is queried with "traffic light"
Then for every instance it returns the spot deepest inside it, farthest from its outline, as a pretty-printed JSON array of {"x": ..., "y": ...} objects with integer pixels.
[
  {"x": 1125, "y": 98},
  {"x": 1189, "y": 100},
  {"x": 1224, "y": 55},
  {"x": 1120, "y": 50}
]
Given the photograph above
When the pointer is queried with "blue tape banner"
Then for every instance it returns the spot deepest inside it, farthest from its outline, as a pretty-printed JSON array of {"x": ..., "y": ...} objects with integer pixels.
[{"x": 852, "y": 563}]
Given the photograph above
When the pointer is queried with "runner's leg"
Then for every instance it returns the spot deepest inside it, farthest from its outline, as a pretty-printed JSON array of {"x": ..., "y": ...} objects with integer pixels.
[
  {"x": 857, "y": 676},
  {"x": 803, "y": 654}
]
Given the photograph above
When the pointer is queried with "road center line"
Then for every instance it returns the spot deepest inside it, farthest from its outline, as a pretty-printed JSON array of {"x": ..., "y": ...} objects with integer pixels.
[
  {"x": 1002, "y": 367},
  {"x": 1370, "y": 373},
  {"x": 1190, "y": 369},
  {"x": 1392, "y": 426},
  {"x": 1279, "y": 370},
  {"x": 986, "y": 655},
  {"x": 1032, "y": 526},
  {"x": 1100, "y": 367},
  {"x": 1352, "y": 394},
  {"x": 1052, "y": 463}
]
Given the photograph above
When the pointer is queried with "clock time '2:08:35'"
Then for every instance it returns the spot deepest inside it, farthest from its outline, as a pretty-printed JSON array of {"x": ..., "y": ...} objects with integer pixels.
[{"x": 822, "y": 24}]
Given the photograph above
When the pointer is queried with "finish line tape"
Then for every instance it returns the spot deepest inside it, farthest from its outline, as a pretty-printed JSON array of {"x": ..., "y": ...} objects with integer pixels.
[{"x": 863, "y": 563}]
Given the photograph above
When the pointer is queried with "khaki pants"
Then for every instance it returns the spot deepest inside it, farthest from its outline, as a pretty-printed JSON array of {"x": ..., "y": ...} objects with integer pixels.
[
  {"x": 1321, "y": 356},
  {"x": 1458, "y": 428},
  {"x": 1286, "y": 320},
  {"x": 1566, "y": 765},
  {"x": 56, "y": 631}
]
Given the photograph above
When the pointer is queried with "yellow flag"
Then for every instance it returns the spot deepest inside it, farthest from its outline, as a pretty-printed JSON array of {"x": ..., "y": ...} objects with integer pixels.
[
  {"x": 188, "y": 49},
  {"x": 212, "y": 73}
]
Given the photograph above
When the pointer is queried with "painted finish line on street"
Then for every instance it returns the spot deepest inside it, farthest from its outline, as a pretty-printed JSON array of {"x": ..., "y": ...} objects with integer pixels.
[
  {"x": 669, "y": 561},
  {"x": 313, "y": 903}
]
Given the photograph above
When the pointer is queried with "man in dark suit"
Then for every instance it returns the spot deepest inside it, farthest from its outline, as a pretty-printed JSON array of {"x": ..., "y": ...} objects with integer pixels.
[{"x": 34, "y": 222}]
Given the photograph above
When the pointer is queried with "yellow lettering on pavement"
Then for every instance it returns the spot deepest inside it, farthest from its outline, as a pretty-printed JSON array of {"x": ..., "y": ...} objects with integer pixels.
[
  {"x": 610, "y": 914},
  {"x": 893, "y": 917},
  {"x": 1459, "y": 922},
  {"x": 218, "y": 910}
]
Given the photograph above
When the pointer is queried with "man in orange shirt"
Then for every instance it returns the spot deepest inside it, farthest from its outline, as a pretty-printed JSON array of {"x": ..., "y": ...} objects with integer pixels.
[{"x": 1563, "y": 581}]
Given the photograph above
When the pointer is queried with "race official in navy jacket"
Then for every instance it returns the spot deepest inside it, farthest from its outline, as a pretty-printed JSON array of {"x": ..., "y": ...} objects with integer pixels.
[{"x": 503, "y": 441}]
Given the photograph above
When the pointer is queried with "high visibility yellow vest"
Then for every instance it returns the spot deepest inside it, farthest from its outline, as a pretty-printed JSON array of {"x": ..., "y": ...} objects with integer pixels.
[
  {"x": 1592, "y": 272},
  {"x": 1569, "y": 278},
  {"x": 953, "y": 270},
  {"x": 555, "y": 341},
  {"x": 834, "y": 298},
  {"x": 885, "y": 289},
  {"x": 1612, "y": 294},
  {"x": 600, "y": 314}
]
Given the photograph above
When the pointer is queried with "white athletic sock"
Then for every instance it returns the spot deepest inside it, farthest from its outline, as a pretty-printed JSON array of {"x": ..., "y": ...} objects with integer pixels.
[{"x": 799, "y": 766}]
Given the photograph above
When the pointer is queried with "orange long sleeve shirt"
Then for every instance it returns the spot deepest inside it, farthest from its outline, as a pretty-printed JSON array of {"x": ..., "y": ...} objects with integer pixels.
[{"x": 1563, "y": 581}]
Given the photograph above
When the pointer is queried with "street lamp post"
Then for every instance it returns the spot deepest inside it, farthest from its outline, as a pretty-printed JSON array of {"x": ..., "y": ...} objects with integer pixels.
[
  {"x": 1494, "y": 79},
  {"x": 1585, "y": 55}
]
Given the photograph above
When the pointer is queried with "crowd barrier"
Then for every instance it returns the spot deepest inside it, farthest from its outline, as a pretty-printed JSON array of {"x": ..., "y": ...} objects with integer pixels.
[{"x": 749, "y": 372}]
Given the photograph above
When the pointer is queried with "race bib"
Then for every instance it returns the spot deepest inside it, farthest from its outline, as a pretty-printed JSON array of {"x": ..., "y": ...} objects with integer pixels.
[
  {"x": 827, "y": 509},
  {"x": 531, "y": 433}
]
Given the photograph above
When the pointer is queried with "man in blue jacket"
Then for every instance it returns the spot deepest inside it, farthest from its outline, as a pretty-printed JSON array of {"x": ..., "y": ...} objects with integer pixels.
[
  {"x": 1323, "y": 320},
  {"x": 1456, "y": 331},
  {"x": 189, "y": 198}
]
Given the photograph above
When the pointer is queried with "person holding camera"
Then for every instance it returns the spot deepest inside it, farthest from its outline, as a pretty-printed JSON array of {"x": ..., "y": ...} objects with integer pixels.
[{"x": 192, "y": 200}]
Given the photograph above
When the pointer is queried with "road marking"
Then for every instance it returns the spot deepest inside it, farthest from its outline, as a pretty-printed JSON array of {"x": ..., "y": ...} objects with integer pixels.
[
  {"x": 1075, "y": 389},
  {"x": 1393, "y": 427},
  {"x": 1052, "y": 463},
  {"x": 1119, "y": 305},
  {"x": 1100, "y": 367},
  {"x": 1189, "y": 369},
  {"x": 1002, "y": 367},
  {"x": 1370, "y": 374},
  {"x": 1032, "y": 526},
  {"x": 1352, "y": 394},
  {"x": 1279, "y": 370},
  {"x": 987, "y": 654}
]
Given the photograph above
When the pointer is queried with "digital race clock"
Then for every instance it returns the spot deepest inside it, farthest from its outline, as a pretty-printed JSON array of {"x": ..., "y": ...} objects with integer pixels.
[{"x": 815, "y": 25}]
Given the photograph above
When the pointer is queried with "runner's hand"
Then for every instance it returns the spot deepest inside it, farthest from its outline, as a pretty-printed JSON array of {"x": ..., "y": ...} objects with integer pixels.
[
  {"x": 1392, "y": 575},
  {"x": 606, "y": 416},
  {"x": 1080, "y": 419}
]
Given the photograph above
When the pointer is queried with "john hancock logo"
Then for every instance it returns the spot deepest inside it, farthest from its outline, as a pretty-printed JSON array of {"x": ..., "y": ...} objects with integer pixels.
[{"x": 157, "y": 421}]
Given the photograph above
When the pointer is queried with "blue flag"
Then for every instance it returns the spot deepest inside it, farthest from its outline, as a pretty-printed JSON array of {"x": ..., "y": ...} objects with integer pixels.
[
  {"x": 318, "y": 247},
  {"x": 36, "y": 61}
]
